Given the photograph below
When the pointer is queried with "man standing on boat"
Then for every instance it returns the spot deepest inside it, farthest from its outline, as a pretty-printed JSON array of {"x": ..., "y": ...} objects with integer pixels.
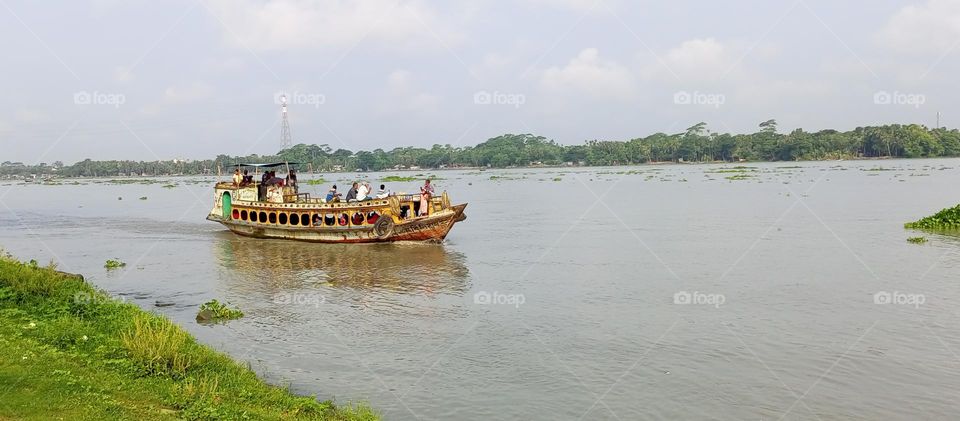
[{"x": 426, "y": 192}]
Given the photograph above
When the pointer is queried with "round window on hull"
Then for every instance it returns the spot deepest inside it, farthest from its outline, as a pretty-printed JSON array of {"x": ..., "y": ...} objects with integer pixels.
[
  {"x": 273, "y": 218},
  {"x": 329, "y": 220},
  {"x": 263, "y": 217},
  {"x": 243, "y": 215},
  {"x": 294, "y": 219},
  {"x": 283, "y": 219}
]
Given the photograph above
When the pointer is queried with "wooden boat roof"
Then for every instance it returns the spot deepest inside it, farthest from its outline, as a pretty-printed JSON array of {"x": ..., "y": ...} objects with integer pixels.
[{"x": 269, "y": 165}]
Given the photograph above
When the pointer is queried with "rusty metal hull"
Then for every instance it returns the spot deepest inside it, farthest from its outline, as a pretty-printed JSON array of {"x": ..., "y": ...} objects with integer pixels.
[{"x": 432, "y": 228}]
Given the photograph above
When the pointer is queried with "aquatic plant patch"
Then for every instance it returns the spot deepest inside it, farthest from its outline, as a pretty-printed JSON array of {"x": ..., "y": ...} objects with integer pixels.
[
  {"x": 946, "y": 219},
  {"x": 215, "y": 311}
]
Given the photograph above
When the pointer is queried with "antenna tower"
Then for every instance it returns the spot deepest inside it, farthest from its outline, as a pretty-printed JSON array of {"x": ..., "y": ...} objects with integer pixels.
[{"x": 286, "y": 140}]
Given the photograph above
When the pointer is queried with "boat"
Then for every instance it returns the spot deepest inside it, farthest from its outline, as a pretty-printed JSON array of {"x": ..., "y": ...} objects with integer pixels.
[{"x": 277, "y": 211}]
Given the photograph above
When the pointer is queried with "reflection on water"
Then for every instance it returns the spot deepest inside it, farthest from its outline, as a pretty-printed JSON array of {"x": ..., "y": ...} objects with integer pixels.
[{"x": 405, "y": 268}]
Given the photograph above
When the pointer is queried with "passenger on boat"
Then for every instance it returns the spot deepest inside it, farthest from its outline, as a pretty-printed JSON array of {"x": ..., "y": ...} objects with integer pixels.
[
  {"x": 426, "y": 192},
  {"x": 292, "y": 179},
  {"x": 383, "y": 193},
  {"x": 363, "y": 192},
  {"x": 352, "y": 193},
  {"x": 237, "y": 178},
  {"x": 265, "y": 177},
  {"x": 316, "y": 220},
  {"x": 332, "y": 195},
  {"x": 247, "y": 179}
]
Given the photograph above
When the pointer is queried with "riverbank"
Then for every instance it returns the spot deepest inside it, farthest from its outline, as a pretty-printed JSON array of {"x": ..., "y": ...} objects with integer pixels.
[{"x": 68, "y": 351}]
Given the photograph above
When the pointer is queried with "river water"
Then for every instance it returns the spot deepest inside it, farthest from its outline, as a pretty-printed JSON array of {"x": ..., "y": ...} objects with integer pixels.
[{"x": 653, "y": 292}]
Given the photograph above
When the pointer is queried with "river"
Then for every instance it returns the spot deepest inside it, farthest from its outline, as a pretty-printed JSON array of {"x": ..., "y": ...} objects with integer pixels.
[{"x": 773, "y": 291}]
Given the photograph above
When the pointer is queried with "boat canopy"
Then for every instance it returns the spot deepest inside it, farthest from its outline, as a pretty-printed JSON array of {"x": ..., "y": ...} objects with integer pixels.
[{"x": 270, "y": 165}]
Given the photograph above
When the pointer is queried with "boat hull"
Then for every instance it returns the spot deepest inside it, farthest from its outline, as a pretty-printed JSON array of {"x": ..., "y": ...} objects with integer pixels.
[{"x": 432, "y": 228}]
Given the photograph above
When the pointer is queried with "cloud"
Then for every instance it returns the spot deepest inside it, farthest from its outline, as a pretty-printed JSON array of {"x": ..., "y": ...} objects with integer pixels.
[
  {"x": 932, "y": 27},
  {"x": 197, "y": 91},
  {"x": 695, "y": 60},
  {"x": 403, "y": 94},
  {"x": 302, "y": 24},
  {"x": 576, "y": 5},
  {"x": 31, "y": 116},
  {"x": 590, "y": 75}
]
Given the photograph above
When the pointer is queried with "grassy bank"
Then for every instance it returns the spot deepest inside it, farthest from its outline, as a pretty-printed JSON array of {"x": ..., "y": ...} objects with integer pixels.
[{"x": 70, "y": 352}]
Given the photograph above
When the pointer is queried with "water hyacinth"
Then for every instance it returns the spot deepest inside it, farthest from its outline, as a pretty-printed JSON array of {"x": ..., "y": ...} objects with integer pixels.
[{"x": 946, "y": 219}]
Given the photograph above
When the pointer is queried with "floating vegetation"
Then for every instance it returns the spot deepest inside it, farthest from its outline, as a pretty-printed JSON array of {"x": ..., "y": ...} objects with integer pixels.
[
  {"x": 739, "y": 177},
  {"x": 143, "y": 197},
  {"x": 114, "y": 264},
  {"x": 557, "y": 179},
  {"x": 397, "y": 179},
  {"x": 215, "y": 311},
  {"x": 315, "y": 181},
  {"x": 946, "y": 219},
  {"x": 169, "y": 186},
  {"x": 917, "y": 240}
]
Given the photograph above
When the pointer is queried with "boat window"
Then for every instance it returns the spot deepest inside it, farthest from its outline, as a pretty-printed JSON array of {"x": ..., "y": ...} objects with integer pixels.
[
  {"x": 235, "y": 214},
  {"x": 263, "y": 217},
  {"x": 329, "y": 220},
  {"x": 273, "y": 217},
  {"x": 305, "y": 219},
  {"x": 342, "y": 220},
  {"x": 243, "y": 215},
  {"x": 283, "y": 219},
  {"x": 294, "y": 219},
  {"x": 357, "y": 219},
  {"x": 372, "y": 217}
]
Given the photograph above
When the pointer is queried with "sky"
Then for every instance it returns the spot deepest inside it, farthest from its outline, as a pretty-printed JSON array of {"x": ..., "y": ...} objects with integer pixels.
[{"x": 146, "y": 80}]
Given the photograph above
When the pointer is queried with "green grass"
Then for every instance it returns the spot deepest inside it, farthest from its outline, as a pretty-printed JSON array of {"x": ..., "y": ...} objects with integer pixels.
[
  {"x": 947, "y": 219},
  {"x": 917, "y": 240},
  {"x": 68, "y": 351},
  {"x": 315, "y": 181}
]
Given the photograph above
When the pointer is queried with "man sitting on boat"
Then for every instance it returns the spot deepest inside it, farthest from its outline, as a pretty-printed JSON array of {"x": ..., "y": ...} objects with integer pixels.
[
  {"x": 383, "y": 193},
  {"x": 352, "y": 194},
  {"x": 363, "y": 192}
]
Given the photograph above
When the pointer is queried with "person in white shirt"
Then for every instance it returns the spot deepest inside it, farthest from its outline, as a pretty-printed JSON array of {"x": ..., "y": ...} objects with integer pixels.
[
  {"x": 363, "y": 192},
  {"x": 383, "y": 193}
]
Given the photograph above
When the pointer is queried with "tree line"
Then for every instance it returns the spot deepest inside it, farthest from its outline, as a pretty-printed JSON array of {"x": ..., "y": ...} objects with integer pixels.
[{"x": 695, "y": 144}]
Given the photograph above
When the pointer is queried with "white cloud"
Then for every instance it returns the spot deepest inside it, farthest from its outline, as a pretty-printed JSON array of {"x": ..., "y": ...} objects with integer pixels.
[
  {"x": 695, "y": 60},
  {"x": 122, "y": 74},
  {"x": 31, "y": 116},
  {"x": 197, "y": 91},
  {"x": 403, "y": 94},
  {"x": 932, "y": 27},
  {"x": 588, "y": 74},
  {"x": 296, "y": 24},
  {"x": 577, "y": 5}
]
